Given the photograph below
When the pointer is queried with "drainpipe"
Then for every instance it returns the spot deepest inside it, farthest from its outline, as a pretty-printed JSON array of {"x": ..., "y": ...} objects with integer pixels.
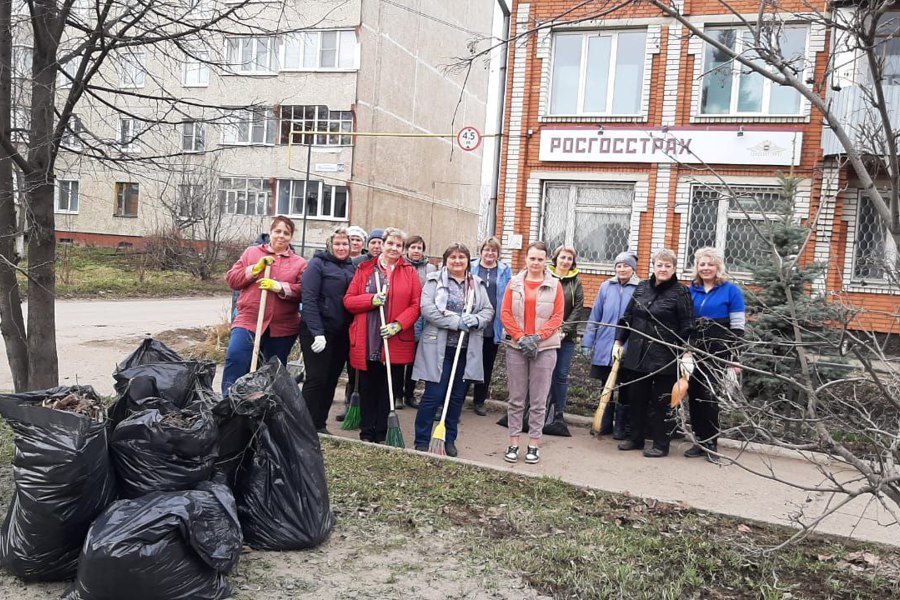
[{"x": 501, "y": 115}]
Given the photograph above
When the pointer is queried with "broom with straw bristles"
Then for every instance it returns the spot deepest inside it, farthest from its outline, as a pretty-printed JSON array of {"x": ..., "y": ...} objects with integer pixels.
[
  {"x": 353, "y": 418},
  {"x": 605, "y": 396},
  {"x": 394, "y": 433},
  {"x": 439, "y": 435}
]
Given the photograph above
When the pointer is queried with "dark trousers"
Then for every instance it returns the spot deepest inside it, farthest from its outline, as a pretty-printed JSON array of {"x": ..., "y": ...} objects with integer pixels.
[
  {"x": 374, "y": 403},
  {"x": 240, "y": 353},
  {"x": 616, "y": 415},
  {"x": 322, "y": 373},
  {"x": 433, "y": 399},
  {"x": 488, "y": 357},
  {"x": 409, "y": 384},
  {"x": 650, "y": 396},
  {"x": 704, "y": 405},
  {"x": 559, "y": 387}
]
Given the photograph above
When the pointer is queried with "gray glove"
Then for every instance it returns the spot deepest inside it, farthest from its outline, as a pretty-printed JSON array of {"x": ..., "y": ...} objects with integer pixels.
[
  {"x": 529, "y": 346},
  {"x": 471, "y": 321}
]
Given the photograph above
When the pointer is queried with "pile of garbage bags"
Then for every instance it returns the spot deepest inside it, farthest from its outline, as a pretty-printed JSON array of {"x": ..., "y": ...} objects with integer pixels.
[{"x": 154, "y": 497}]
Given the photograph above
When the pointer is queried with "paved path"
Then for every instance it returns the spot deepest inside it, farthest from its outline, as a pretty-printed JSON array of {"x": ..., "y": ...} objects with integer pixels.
[
  {"x": 596, "y": 463},
  {"x": 93, "y": 334}
]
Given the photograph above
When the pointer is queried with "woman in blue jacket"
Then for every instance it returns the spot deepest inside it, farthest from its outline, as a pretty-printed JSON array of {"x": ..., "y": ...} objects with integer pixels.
[
  {"x": 325, "y": 323},
  {"x": 612, "y": 300},
  {"x": 496, "y": 275},
  {"x": 721, "y": 318}
]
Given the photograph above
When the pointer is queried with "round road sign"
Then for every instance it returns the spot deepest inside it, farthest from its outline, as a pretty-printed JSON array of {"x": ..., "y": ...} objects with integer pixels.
[{"x": 468, "y": 138}]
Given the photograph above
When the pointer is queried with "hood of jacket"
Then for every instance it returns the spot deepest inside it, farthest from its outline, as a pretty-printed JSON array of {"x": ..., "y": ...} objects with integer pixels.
[
  {"x": 329, "y": 257},
  {"x": 571, "y": 274}
]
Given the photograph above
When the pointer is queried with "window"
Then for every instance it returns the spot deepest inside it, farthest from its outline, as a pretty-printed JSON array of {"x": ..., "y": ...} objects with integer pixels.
[
  {"x": 66, "y": 196},
  {"x": 67, "y": 73},
  {"x": 874, "y": 251},
  {"x": 195, "y": 69},
  {"x": 198, "y": 9},
  {"x": 320, "y": 50},
  {"x": 245, "y": 196},
  {"x": 593, "y": 217},
  {"x": 246, "y": 127},
  {"x": 193, "y": 136},
  {"x": 71, "y": 139},
  {"x": 129, "y": 135},
  {"x": 598, "y": 73},
  {"x": 252, "y": 55},
  {"x": 730, "y": 88},
  {"x": 728, "y": 218},
  {"x": 190, "y": 202},
  {"x": 20, "y": 121},
  {"x": 323, "y": 200},
  {"x": 127, "y": 199},
  {"x": 132, "y": 72},
  {"x": 315, "y": 118}
]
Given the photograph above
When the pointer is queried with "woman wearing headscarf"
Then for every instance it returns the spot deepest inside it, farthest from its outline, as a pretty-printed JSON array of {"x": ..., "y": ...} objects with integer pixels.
[
  {"x": 600, "y": 334},
  {"x": 444, "y": 301},
  {"x": 390, "y": 282},
  {"x": 281, "y": 321},
  {"x": 721, "y": 318},
  {"x": 415, "y": 255},
  {"x": 657, "y": 325},
  {"x": 325, "y": 324},
  {"x": 565, "y": 269},
  {"x": 532, "y": 314}
]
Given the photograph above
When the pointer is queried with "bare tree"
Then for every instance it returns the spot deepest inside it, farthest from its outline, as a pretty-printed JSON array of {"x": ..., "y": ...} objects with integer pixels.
[{"x": 85, "y": 56}]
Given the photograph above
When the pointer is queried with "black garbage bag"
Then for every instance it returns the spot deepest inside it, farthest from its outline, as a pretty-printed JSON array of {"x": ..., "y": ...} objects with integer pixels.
[
  {"x": 141, "y": 394},
  {"x": 150, "y": 351},
  {"x": 153, "y": 451},
  {"x": 162, "y": 546},
  {"x": 279, "y": 479},
  {"x": 177, "y": 382},
  {"x": 63, "y": 479}
]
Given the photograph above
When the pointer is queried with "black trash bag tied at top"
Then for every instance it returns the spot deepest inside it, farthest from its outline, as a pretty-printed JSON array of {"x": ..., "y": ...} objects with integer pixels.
[
  {"x": 162, "y": 546},
  {"x": 63, "y": 480},
  {"x": 155, "y": 371},
  {"x": 279, "y": 484},
  {"x": 156, "y": 451}
]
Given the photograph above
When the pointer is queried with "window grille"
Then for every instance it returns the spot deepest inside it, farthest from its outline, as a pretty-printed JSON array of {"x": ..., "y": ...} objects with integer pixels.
[
  {"x": 729, "y": 218},
  {"x": 595, "y": 218},
  {"x": 875, "y": 256}
]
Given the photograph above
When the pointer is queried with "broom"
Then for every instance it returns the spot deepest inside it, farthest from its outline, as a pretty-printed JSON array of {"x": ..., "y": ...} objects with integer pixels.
[
  {"x": 254, "y": 360},
  {"x": 394, "y": 434},
  {"x": 605, "y": 396},
  {"x": 353, "y": 419},
  {"x": 439, "y": 435}
]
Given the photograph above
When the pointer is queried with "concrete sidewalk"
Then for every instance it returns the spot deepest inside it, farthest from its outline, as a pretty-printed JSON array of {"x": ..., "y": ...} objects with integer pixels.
[{"x": 728, "y": 489}]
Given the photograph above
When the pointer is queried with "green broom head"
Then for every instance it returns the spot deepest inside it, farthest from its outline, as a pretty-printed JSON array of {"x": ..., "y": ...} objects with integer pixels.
[
  {"x": 394, "y": 435},
  {"x": 353, "y": 418},
  {"x": 437, "y": 440}
]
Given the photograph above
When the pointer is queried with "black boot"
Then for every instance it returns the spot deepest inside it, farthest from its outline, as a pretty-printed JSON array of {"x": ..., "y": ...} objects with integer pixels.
[
  {"x": 621, "y": 428},
  {"x": 606, "y": 421}
]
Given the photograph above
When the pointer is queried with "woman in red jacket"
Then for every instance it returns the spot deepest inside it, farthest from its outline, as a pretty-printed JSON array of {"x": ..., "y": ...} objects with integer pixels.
[
  {"x": 397, "y": 289},
  {"x": 281, "y": 321}
]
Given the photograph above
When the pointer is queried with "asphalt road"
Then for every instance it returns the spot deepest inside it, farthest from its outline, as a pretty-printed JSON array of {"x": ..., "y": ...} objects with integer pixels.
[{"x": 93, "y": 334}]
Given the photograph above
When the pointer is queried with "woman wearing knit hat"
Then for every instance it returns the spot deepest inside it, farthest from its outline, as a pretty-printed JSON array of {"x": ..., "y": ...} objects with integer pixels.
[
  {"x": 612, "y": 300},
  {"x": 358, "y": 238}
]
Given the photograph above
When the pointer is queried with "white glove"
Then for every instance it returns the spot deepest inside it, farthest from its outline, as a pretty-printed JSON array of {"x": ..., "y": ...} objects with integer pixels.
[
  {"x": 318, "y": 344},
  {"x": 686, "y": 365},
  {"x": 617, "y": 351}
]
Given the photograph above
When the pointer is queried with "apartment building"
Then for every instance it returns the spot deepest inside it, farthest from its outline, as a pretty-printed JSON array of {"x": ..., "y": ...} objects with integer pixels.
[
  {"x": 333, "y": 118},
  {"x": 624, "y": 132}
]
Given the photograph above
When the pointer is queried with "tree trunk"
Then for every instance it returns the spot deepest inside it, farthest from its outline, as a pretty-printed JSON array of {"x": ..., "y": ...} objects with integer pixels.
[
  {"x": 43, "y": 364},
  {"x": 12, "y": 324}
]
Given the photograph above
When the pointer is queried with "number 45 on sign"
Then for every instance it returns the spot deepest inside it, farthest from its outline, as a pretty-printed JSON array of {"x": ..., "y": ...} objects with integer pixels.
[{"x": 468, "y": 138}]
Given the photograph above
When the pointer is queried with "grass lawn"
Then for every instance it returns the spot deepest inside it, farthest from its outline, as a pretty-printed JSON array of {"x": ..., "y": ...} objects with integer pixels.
[
  {"x": 574, "y": 543},
  {"x": 105, "y": 272}
]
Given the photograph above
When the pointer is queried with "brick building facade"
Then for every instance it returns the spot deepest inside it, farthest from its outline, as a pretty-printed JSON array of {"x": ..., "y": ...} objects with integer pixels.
[{"x": 622, "y": 132}]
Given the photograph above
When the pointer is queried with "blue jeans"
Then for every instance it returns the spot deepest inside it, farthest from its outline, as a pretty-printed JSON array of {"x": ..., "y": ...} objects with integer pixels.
[
  {"x": 433, "y": 400},
  {"x": 559, "y": 387},
  {"x": 240, "y": 353}
]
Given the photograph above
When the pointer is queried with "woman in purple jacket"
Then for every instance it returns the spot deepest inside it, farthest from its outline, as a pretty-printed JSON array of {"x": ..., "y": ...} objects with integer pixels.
[{"x": 612, "y": 299}]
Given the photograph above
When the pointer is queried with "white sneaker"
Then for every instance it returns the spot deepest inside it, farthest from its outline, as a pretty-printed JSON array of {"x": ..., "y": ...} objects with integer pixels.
[
  {"x": 512, "y": 454},
  {"x": 533, "y": 456}
]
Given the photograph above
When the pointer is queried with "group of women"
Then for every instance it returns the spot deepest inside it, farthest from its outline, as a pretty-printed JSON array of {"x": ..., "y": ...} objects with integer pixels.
[{"x": 383, "y": 310}]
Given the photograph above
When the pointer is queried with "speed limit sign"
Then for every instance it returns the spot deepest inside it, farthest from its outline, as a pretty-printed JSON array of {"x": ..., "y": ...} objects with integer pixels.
[{"x": 468, "y": 138}]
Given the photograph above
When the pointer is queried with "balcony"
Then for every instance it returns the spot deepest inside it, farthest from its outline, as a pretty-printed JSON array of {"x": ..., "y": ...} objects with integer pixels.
[{"x": 863, "y": 123}]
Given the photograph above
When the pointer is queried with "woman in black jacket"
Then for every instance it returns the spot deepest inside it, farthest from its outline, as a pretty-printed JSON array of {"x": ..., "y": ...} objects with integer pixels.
[
  {"x": 325, "y": 323},
  {"x": 659, "y": 320}
]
